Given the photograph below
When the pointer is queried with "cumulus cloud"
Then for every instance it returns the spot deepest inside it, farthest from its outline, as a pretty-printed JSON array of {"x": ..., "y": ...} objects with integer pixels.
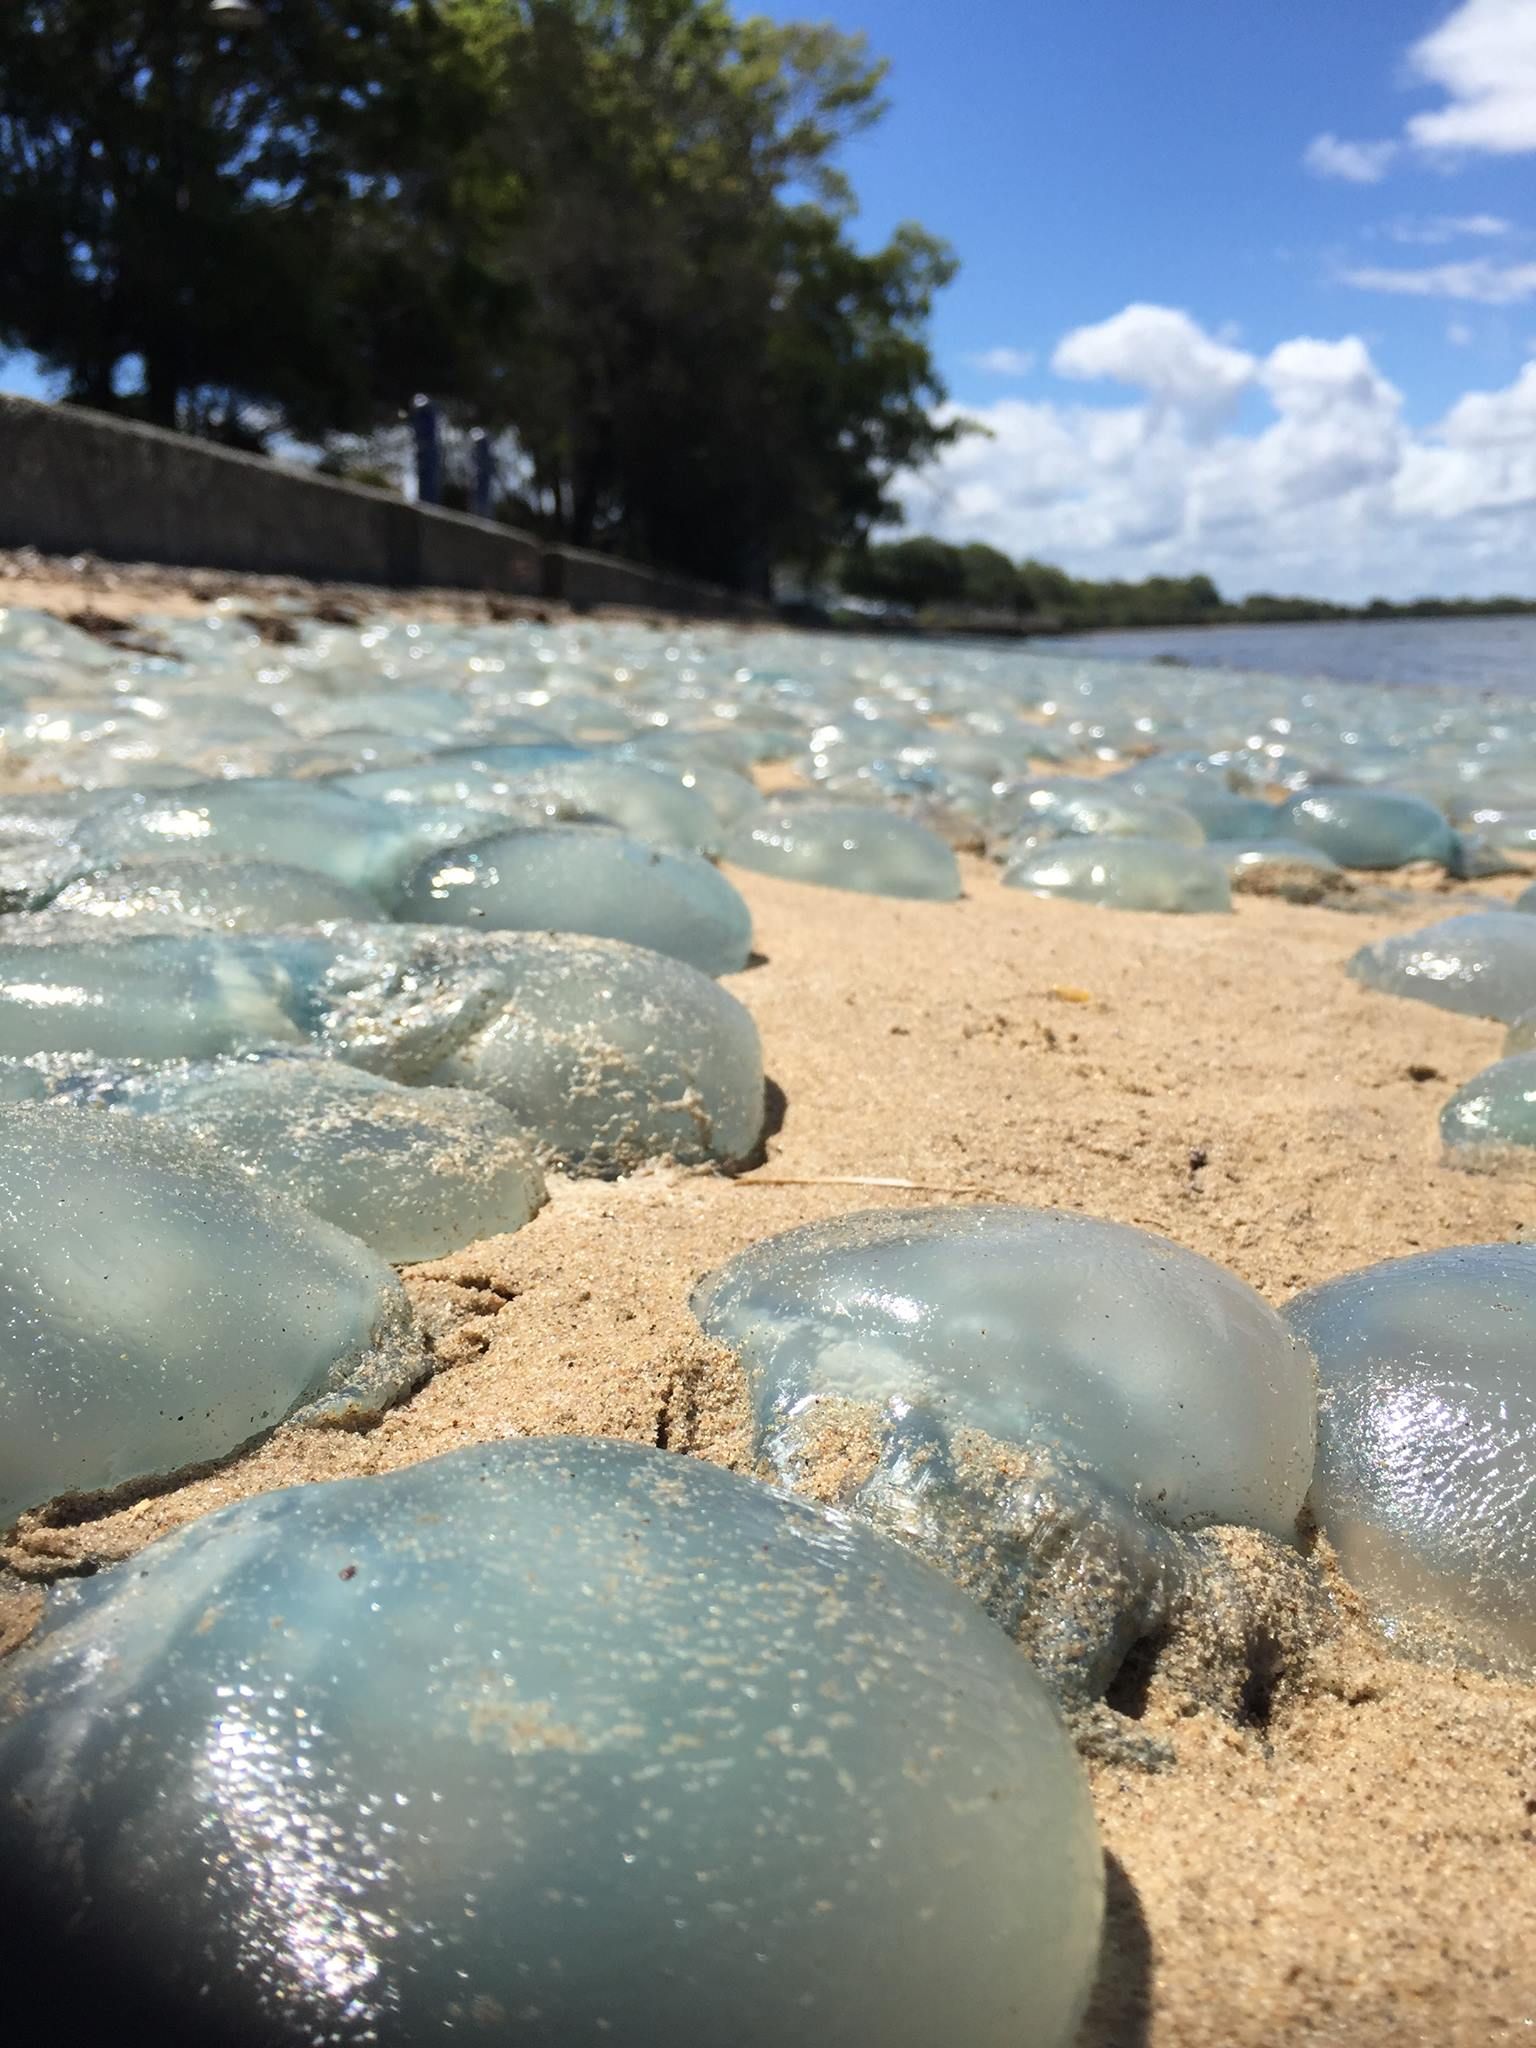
[
  {"x": 1481, "y": 282},
  {"x": 1357, "y": 163},
  {"x": 1483, "y": 56},
  {"x": 1332, "y": 493},
  {"x": 1480, "y": 460},
  {"x": 1161, "y": 351},
  {"x": 1448, "y": 228},
  {"x": 1003, "y": 362}
]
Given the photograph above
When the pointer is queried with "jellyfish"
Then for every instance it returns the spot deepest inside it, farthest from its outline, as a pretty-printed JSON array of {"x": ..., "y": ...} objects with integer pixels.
[
  {"x": 1069, "y": 808},
  {"x": 552, "y": 1740},
  {"x": 1048, "y": 1405},
  {"x": 585, "y": 878},
  {"x": 413, "y": 1172},
  {"x": 161, "y": 1309},
  {"x": 1426, "y": 1451},
  {"x": 1371, "y": 828},
  {"x": 181, "y": 891},
  {"x": 1125, "y": 874},
  {"x": 606, "y": 1055},
  {"x": 845, "y": 846},
  {"x": 1491, "y": 1120},
  {"x": 1482, "y": 964},
  {"x": 1268, "y": 866}
]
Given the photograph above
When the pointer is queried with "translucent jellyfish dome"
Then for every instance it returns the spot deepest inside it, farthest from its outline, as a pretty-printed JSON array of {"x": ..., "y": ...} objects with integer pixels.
[
  {"x": 1165, "y": 1374},
  {"x": 159, "y": 1308},
  {"x": 1371, "y": 828},
  {"x": 586, "y": 878},
  {"x": 1269, "y": 866},
  {"x": 1491, "y": 1119},
  {"x": 606, "y": 1054},
  {"x": 413, "y": 1172},
  {"x": 298, "y": 824},
  {"x": 1100, "y": 810},
  {"x": 1426, "y": 1463},
  {"x": 845, "y": 846},
  {"x": 190, "y": 890},
  {"x": 1482, "y": 965},
  {"x": 1124, "y": 874},
  {"x": 553, "y": 1741}
]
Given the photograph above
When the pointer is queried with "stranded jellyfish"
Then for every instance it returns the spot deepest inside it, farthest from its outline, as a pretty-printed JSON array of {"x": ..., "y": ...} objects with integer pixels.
[
  {"x": 846, "y": 846},
  {"x": 1126, "y": 874},
  {"x": 413, "y": 1172},
  {"x": 160, "y": 1308},
  {"x": 1426, "y": 1454},
  {"x": 1046, "y": 1404},
  {"x": 549, "y": 1741},
  {"x": 585, "y": 878},
  {"x": 1491, "y": 1120},
  {"x": 1483, "y": 965},
  {"x": 190, "y": 890},
  {"x": 1371, "y": 828},
  {"x": 607, "y": 1055}
]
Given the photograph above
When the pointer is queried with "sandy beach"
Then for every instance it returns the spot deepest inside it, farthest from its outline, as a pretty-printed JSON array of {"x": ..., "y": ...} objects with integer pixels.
[{"x": 1359, "y": 1868}]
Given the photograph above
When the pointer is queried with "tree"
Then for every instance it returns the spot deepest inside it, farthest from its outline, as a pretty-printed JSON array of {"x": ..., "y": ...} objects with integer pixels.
[
  {"x": 614, "y": 228},
  {"x": 236, "y": 213},
  {"x": 1049, "y": 590},
  {"x": 915, "y": 572},
  {"x": 990, "y": 580},
  {"x": 710, "y": 374}
]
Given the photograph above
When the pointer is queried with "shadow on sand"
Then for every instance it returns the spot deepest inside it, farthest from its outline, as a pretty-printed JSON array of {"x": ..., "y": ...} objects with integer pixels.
[{"x": 1120, "y": 2008}]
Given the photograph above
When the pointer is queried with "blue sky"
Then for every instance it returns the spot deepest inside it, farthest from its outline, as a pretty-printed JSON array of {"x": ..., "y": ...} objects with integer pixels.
[{"x": 1158, "y": 206}]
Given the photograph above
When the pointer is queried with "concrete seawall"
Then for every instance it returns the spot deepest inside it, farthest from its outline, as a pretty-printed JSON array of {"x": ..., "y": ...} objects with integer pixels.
[{"x": 77, "y": 482}]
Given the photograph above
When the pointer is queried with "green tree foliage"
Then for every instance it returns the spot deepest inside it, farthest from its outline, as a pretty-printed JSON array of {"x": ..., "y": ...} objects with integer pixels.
[
  {"x": 992, "y": 582},
  {"x": 614, "y": 227},
  {"x": 710, "y": 373},
  {"x": 224, "y": 206},
  {"x": 914, "y": 572},
  {"x": 927, "y": 575}
]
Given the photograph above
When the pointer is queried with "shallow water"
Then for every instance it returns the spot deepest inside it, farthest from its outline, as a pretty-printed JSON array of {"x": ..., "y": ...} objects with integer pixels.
[{"x": 1462, "y": 654}]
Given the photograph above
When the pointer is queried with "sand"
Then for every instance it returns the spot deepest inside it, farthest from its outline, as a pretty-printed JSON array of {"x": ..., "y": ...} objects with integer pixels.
[{"x": 1361, "y": 1868}]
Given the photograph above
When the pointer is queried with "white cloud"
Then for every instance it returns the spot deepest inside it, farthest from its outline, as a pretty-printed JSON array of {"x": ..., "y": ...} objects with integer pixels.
[
  {"x": 1481, "y": 459},
  {"x": 1334, "y": 493},
  {"x": 1483, "y": 55},
  {"x": 1161, "y": 351},
  {"x": 1448, "y": 228},
  {"x": 1479, "y": 281},
  {"x": 1003, "y": 362},
  {"x": 1357, "y": 163},
  {"x": 1459, "y": 334}
]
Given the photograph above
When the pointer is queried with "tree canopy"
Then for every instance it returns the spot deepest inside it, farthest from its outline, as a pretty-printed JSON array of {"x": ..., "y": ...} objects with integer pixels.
[
  {"x": 923, "y": 573},
  {"x": 615, "y": 229}
]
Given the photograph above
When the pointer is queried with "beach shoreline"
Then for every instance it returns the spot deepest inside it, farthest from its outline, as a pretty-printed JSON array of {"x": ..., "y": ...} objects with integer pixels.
[{"x": 1355, "y": 1865}]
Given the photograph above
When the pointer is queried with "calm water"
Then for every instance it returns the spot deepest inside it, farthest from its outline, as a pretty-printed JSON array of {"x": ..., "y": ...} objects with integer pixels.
[{"x": 1479, "y": 654}]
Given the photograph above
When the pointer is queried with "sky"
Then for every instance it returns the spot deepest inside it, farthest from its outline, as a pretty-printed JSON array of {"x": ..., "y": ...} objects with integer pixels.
[{"x": 1245, "y": 288}]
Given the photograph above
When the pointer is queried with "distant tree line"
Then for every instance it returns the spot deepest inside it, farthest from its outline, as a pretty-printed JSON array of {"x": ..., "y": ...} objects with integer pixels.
[
  {"x": 941, "y": 580},
  {"x": 612, "y": 231}
]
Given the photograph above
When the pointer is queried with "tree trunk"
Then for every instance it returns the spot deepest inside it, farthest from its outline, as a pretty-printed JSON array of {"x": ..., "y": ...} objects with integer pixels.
[
  {"x": 91, "y": 385},
  {"x": 162, "y": 390}
]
